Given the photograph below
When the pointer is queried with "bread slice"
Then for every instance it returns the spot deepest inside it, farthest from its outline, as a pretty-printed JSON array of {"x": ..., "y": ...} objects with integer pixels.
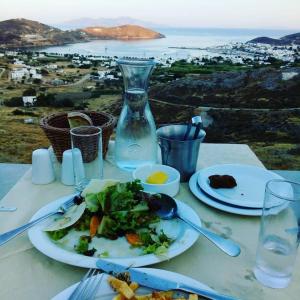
[{"x": 76, "y": 119}]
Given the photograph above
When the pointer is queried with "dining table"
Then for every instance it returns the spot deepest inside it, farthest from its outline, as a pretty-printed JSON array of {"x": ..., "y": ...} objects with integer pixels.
[{"x": 25, "y": 273}]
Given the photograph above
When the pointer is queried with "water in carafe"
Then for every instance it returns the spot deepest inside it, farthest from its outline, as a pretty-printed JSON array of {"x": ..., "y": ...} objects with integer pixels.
[{"x": 136, "y": 143}]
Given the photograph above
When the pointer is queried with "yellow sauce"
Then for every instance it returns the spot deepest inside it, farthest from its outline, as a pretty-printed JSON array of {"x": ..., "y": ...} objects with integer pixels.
[{"x": 158, "y": 177}]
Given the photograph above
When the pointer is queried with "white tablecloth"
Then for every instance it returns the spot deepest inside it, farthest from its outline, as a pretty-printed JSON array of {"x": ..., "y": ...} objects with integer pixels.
[{"x": 27, "y": 274}]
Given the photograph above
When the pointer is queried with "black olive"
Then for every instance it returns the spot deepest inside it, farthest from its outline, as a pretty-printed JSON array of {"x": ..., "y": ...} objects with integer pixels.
[
  {"x": 90, "y": 252},
  {"x": 78, "y": 199}
]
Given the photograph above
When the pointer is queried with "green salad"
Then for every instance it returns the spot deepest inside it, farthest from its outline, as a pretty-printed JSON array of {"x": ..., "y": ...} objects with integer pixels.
[{"x": 110, "y": 210}]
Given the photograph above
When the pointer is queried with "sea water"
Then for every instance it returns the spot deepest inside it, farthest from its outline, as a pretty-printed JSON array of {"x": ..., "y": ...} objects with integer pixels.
[
  {"x": 175, "y": 37},
  {"x": 274, "y": 262}
]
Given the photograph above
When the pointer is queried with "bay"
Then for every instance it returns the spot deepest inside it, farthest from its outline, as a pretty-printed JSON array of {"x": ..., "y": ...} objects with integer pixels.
[{"x": 175, "y": 37}]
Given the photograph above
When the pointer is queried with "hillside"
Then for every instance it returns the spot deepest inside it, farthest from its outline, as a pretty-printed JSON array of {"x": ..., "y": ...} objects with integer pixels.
[
  {"x": 292, "y": 38},
  {"x": 104, "y": 22},
  {"x": 285, "y": 40},
  {"x": 269, "y": 41},
  {"x": 266, "y": 88},
  {"x": 258, "y": 107},
  {"x": 124, "y": 32},
  {"x": 19, "y": 33},
  {"x": 22, "y": 33}
]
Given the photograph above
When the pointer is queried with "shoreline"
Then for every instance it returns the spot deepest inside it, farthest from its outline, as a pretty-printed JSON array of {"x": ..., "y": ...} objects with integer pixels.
[
  {"x": 188, "y": 48},
  {"x": 234, "y": 51},
  {"x": 74, "y": 43}
]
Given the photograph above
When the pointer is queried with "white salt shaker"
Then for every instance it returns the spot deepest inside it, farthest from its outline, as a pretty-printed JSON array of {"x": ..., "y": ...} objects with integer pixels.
[
  {"x": 42, "y": 169},
  {"x": 67, "y": 170},
  {"x": 79, "y": 171}
]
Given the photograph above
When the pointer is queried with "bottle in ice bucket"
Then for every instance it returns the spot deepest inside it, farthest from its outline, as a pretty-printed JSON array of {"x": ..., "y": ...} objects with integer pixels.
[{"x": 136, "y": 133}]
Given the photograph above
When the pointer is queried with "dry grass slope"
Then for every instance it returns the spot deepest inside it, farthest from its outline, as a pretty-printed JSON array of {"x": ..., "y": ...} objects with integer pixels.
[{"x": 18, "y": 140}]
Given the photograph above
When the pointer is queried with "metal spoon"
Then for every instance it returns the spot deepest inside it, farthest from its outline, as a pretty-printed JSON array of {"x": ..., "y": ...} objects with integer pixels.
[{"x": 166, "y": 208}]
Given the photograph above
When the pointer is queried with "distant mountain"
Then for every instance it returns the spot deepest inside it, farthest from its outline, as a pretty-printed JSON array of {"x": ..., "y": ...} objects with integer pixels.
[
  {"x": 103, "y": 22},
  {"x": 269, "y": 41},
  {"x": 19, "y": 33},
  {"x": 124, "y": 32},
  {"x": 285, "y": 40},
  {"x": 22, "y": 33},
  {"x": 292, "y": 38}
]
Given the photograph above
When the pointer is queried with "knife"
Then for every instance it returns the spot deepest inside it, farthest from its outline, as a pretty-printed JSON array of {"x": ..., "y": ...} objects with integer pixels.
[{"x": 147, "y": 279}]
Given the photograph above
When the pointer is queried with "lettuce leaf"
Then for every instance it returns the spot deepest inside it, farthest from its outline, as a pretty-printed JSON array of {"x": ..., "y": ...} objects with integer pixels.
[
  {"x": 154, "y": 243},
  {"x": 58, "y": 234},
  {"x": 92, "y": 202}
]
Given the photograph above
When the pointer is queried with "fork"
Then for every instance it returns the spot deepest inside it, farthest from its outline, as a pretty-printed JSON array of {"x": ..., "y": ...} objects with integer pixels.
[
  {"x": 88, "y": 286},
  {"x": 5, "y": 237}
]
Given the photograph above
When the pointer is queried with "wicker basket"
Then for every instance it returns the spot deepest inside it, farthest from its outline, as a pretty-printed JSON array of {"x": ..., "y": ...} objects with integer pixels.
[{"x": 57, "y": 130}]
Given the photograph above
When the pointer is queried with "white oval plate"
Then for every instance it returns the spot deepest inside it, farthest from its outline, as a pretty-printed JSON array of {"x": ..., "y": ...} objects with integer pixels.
[
  {"x": 193, "y": 184},
  {"x": 105, "y": 292},
  {"x": 251, "y": 182},
  {"x": 40, "y": 240}
]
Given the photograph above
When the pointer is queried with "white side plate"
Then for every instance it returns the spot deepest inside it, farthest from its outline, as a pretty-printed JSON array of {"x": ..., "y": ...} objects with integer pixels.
[
  {"x": 251, "y": 182},
  {"x": 193, "y": 184}
]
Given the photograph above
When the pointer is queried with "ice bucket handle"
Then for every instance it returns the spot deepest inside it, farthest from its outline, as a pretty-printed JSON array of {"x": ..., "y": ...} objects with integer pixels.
[{"x": 165, "y": 150}]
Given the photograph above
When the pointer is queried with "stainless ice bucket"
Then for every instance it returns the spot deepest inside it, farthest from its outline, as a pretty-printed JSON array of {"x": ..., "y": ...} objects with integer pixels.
[{"x": 178, "y": 153}]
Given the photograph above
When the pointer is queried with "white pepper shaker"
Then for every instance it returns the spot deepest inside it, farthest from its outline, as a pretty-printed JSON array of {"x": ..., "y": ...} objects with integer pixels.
[
  {"x": 42, "y": 169},
  {"x": 67, "y": 170}
]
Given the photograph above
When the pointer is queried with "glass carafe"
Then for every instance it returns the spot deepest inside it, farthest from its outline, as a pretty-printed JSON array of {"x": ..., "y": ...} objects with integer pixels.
[{"x": 136, "y": 133}]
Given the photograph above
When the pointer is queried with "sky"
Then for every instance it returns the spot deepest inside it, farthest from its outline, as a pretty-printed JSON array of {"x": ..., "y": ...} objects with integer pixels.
[{"x": 268, "y": 14}]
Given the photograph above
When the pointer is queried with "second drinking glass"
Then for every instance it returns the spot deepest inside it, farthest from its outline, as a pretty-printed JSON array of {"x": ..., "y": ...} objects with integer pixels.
[
  {"x": 87, "y": 155},
  {"x": 279, "y": 234}
]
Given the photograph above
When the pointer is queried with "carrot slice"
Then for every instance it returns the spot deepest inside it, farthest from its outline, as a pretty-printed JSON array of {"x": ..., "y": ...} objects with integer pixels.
[
  {"x": 94, "y": 223},
  {"x": 133, "y": 239}
]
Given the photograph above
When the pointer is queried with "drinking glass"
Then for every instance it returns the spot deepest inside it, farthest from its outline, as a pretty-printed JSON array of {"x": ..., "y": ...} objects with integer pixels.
[
  {"x": 87, "y": 155},
  {"x": 279, "y": 233}
]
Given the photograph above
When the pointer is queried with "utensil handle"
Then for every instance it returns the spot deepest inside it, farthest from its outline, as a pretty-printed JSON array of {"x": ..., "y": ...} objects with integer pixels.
[
  {"x": 5, "y": 237},
  {"x": 226, "y": 245},
  {"x": 7, "y": 209},
  {"x": 165, "y": 150},
  {"x": 205, "y": 293},
  {"x": 186, "y": 135},
  {"x": 197, "y": 130}
]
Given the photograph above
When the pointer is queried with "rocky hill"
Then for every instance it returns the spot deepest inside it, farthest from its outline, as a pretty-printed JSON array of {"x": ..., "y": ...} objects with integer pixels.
[
  {"x": 258, "y": 107},
  {"x": 292, "y": 38},
  {"x": 19, "y": 33},
  {"x": 269, "y": 41},
  {"x": 124, "y": 32},
  {"x": 103, "y": 22},
  {"x": 22, "y": 33},
  {"x": 285, "y": 40},
  {"x": 258, "y": 88}
]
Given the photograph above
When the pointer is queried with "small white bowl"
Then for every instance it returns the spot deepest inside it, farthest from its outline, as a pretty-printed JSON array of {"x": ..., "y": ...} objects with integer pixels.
[{"x": 171, "y": 187}]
